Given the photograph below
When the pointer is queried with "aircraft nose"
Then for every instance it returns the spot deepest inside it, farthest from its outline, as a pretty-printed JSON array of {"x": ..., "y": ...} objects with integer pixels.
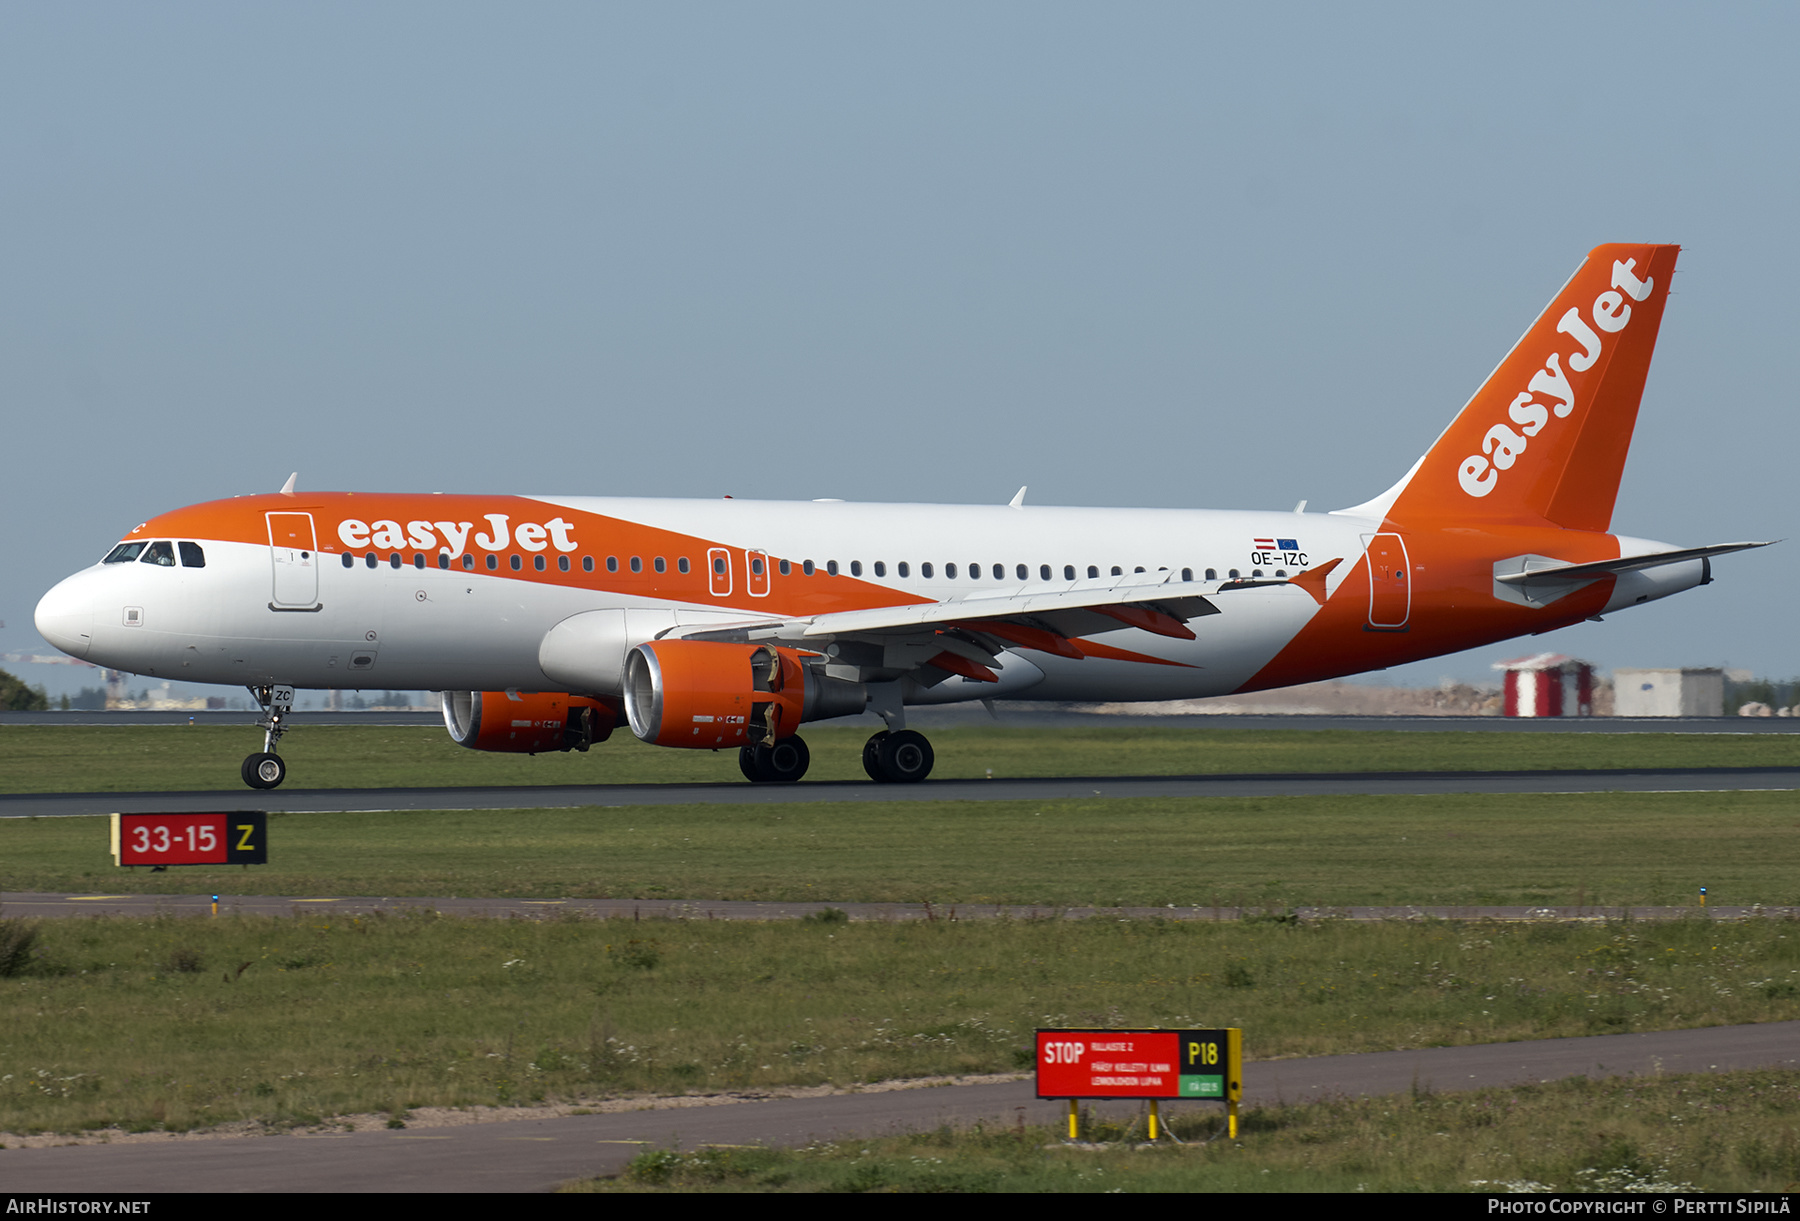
[{"x": 65, "y": 616}]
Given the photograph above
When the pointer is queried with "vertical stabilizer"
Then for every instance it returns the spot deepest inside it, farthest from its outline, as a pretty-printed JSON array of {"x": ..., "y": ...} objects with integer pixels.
[{"x": 1544, "y": 439}]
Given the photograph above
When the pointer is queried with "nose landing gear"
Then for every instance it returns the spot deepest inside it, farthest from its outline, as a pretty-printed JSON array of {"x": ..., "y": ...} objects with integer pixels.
[{"x": 265, "y": 769}]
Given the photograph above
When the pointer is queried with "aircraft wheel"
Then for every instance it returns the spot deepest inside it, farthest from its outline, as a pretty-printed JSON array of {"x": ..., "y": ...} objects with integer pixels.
[
  {"x": 786, "y": 760},
  {"x": 906, "y": 757},
  {"x": 781, "y": 763},
  {"x": 264, "y": 771},
  {"x": 749, "y": 764},
  {"x": 872, "y": 757}
]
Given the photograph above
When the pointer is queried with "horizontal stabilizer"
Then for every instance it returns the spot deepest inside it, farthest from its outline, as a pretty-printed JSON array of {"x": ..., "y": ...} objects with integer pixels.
[{"x": 1625, "y": 563}]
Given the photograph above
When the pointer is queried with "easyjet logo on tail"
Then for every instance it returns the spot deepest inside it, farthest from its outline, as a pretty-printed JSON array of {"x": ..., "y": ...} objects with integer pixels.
[
  {"x": 423, "y": 535},
  {"x": 1503, "y": 445}
]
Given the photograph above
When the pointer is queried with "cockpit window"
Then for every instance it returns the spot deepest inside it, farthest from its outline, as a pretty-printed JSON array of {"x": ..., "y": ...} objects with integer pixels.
[
  {"x": 124, "y": 553},
  {"x": 159, "y": 553},
  {"x": 192, "y": 556}
]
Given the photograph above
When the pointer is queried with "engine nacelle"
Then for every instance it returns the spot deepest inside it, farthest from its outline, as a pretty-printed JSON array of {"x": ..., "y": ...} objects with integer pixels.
[
  {"x": 708, "y": 696},
  {"x": 527, "y": 722}
]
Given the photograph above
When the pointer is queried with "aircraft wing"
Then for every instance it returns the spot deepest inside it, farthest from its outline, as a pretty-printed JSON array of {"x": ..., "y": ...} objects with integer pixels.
[
  {"x": 966, "y": 635},
  {"x": 1089, "y": 608},
  {"x": 1625, "y": 563}
]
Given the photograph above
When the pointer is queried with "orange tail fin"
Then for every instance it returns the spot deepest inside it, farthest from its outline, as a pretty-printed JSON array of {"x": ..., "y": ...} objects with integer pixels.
[{"x": 1544, "y": 439}]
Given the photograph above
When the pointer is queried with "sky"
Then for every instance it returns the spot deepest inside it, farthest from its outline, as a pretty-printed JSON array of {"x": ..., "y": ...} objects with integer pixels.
[{"x": 1180, "y": 255}]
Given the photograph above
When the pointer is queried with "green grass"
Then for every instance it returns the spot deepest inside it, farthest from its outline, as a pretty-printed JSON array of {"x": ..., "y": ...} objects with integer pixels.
[
  {"x": 179, "y": 1023},
  {"x": 1604, "y": 849},
  {"x": 45, "y": 759},
  {"x": 1731, "y": 1132}
]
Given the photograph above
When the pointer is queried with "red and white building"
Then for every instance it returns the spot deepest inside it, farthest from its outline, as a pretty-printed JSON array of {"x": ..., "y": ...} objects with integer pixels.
[{"x": 1548, "y": 684}]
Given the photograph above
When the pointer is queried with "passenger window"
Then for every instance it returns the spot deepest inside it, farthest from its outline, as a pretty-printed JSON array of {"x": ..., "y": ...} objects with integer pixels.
[
  {"x": 784, "y": 568},
  {"x": 369, "y": 560},
  {"x": 419, "y": 560},
  {"x": 468, "y": 562},
  {"x": 831, "y": 567},
  {"x": 806, "y": 566},
  {"x": 681, "y": 565},
  {"x": 1138, "y": 569},
  {"x": 1093, "y": 572},
  {"x": 1068, "y": 572},
  {"x": 587, "y": 563},
  {"x": 637, "y": 563},
  {"x": 662, "y": 565},
  {"x": 856, "y": 568},
  {"x": 160, "y": 554},
  {"x": 493, "y": 562},
  {"x": 443, "y": 559},
  {"x": 1212, "y": 574},
  {"x": 880, "y": 568},
  {"x": 1043, "y": 572},
  {"x": 562, "y": 562},
  {"x": 756, "y": 565},
  {"x": 905, "y": 569},
  {"x": 718, "y": 565},
  {"x": 1256, "y": 572},
  {"x": 349, "y": 560},
  {"x": 124, "y": 553},
  {"x": 537, "y": 562},
  {"x": 191, "y": 555},
  {"x": 612, "y": 563},
  {"x": 1234, "y": 574},
  {"x": 925, "y": 571},
  {"x": 516, "y": 561},
  {"x": 393, "y": 559},
  {"x": 1117, "y": 571},
  {"x": 1024, "y": 573},
  {"x": 1187, "y": 574},
  {"x": 949, "y": 572}
]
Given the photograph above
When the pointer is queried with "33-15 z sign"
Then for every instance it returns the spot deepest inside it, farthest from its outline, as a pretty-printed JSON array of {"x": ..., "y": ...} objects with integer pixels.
[{"x": 239, "y": 837}]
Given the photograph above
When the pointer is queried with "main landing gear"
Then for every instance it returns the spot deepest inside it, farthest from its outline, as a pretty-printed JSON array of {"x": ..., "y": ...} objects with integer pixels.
[
  {"x": 782, "y": 761},
  {"x": 901, "y": 756},
  {"x": 265, "y": 769}
]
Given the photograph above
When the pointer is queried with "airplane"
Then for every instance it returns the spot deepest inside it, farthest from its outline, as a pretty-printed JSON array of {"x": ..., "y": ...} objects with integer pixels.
[{"x": 548, "y": 621}]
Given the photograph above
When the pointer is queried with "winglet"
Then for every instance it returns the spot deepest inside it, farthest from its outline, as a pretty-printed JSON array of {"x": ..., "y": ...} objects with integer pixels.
[
  {"x": 1018, "y": 500},
  {"x": 287, "y": 489}
]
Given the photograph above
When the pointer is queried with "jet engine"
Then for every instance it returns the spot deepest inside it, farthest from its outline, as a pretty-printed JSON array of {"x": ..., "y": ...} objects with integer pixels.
[
  {"x": 709, "y": 696},
  {"x": 527, "y": 722}
]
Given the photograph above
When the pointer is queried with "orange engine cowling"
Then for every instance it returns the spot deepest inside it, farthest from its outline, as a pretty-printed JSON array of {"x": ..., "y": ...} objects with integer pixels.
[
  {"x": 706, "y": 696},
  {"x": 526, "y": 722}
]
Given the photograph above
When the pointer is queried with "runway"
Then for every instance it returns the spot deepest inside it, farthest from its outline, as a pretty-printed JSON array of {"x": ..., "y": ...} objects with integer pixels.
[
  {"x": 537, "y": 1153},
  {"x": 1020, "y": 716},
  {"x": 1077, "y": 788}
]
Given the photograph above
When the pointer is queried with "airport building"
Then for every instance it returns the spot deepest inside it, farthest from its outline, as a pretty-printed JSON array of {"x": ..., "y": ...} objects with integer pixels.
[
  {"x": 1690, "y": 691},
  {"x": 1548, "y": 684}
]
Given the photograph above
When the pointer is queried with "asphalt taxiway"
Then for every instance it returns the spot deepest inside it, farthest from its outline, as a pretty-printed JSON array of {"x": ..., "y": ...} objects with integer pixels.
[{"x": 536, "y": 1154}]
